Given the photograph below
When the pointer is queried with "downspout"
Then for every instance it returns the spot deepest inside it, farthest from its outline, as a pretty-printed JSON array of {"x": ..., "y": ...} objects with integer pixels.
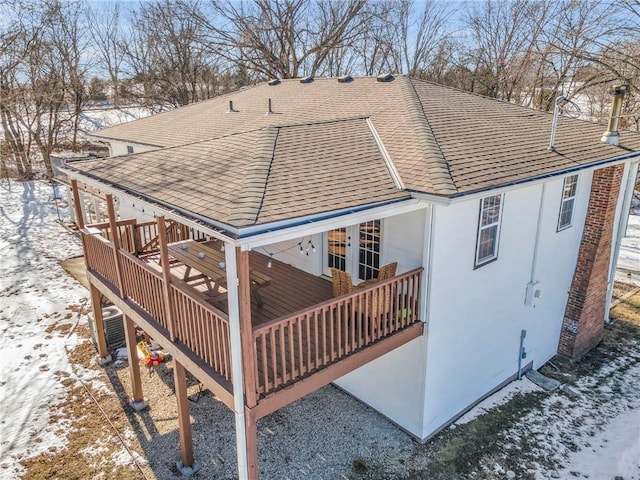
[
  {"x": 622, "y": 225},
  {"x": 425, "y": 295},
  {"x": 427, "y": 262},
  {"x": 533, "y": 291},
  {"x": 236, "y": 359}
]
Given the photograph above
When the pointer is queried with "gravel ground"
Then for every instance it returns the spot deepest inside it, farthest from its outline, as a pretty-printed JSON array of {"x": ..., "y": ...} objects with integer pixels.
[{"x": 325, "y": 435}]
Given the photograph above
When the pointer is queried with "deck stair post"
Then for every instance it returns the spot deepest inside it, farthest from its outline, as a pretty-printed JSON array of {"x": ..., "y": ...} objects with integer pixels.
[
  {"x": 97, "y": 314},
  {"x": 246, "y": 332},
  {"x": 137, "y": 400},
  {"x": 186, "y": 465},
  {"x": 250, "y": 368},
  {"x": 115, "y": 242},
  {"x": 77, "y": 204},
  {"x": 166, "y": 277}
]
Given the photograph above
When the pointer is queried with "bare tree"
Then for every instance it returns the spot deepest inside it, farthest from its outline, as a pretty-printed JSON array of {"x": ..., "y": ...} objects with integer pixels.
[
  {"x": 283, "y": 38},
  {"x": 106, "y": 30},
  {"x": 166, "y": 52},
  {"x": 419, "y": 33},
  {"x": 503, "y": 36}
]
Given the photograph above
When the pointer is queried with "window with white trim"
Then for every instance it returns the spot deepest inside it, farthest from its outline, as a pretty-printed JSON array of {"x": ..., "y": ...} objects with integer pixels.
[
  {"x": 565, "y": 216},
  {"x": 129, "y": 149},
  {"x": 488, "y": 229}
]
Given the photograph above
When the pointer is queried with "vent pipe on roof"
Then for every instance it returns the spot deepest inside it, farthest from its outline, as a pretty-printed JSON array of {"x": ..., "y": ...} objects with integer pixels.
[
  {"x": 274, "y": 82},
  {"x": 611, "y": 136},
  {"x": 269, "y": 111},
  {"x": 560, "y": 101},
  {"x": 231, "y": 109},
  {"x": 307, "y": 79},
  {"x": 345, "y": 79},
  {"x": 385, "y": 77}
]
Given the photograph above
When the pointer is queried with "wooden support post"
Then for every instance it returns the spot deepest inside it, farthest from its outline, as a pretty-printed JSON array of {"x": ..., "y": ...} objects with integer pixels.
[
  {"x": 134, "y": 363},
  {"x": 97, "y": 314},
  {"x": 246, "y": 331},
  {"x": 77, "y": 204},
  {"x": 115, "y": 242},
  {"x": 184, "y": 422},
  {"x": 96, "y": 208},
  {"x": 166, "y": 277},
  {"x": 251, "y": 432}
]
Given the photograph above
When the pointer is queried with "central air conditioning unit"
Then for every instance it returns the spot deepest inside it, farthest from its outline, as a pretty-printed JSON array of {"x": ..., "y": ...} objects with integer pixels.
[{"x": 113, "y": 327}]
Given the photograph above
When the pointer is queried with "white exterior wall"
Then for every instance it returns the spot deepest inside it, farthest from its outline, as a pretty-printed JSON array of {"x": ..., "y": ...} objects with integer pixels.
[
  {"x": 476, "y": 315},
  {"x": 394, "y": 384},
  {"x": 289, "y": 252},
  {"x": 140, "y": 212}
]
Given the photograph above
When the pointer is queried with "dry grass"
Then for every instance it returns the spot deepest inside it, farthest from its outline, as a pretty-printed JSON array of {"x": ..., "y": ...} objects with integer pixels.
[{"x": 92, "y": 445}]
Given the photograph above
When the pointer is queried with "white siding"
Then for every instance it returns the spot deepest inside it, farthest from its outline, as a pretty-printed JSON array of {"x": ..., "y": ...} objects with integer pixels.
[
  {"x": 476, "y": 315},
  {"x": 289, "y": 253},
  {"x": 139, "y": 211},
  {"x": 394, "y": 383}
]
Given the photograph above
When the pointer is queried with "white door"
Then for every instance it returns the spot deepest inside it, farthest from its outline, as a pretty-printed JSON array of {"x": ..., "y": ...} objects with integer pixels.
[{"x": 354, "y": 249}]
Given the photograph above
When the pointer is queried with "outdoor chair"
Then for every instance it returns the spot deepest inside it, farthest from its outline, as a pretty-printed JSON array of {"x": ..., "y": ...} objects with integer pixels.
[
  {"x": 341, "y": 282},
  {"x": 384, "y": 273}
]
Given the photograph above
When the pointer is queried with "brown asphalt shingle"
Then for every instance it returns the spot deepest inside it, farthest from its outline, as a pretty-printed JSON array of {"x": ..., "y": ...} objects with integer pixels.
[
  {"x": 488, "y": 143},
  {"x": 316, "y": 153},
  {"x": 262, "y": 176},
  {"x": 392, "y": 106}
]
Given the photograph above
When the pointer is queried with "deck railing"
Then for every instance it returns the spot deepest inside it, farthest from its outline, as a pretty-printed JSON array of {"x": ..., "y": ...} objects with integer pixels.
[
  {"x": 292, "y": 347},
  {"x": 143, "y": 237},
  {"x": 144, "y": 287},
  {"x": 204, "y": 329},
  {"x": 199, "y": 326},
  {"x": 99, "y": 257}
]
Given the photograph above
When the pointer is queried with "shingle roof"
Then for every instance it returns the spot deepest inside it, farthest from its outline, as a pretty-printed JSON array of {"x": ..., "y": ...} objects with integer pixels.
[
  {"x": 262, "y": 176},
  {"x": 392, "y": 106},
  {"x": 488, "y": 143},
  {"x": 312, "y": 156}
]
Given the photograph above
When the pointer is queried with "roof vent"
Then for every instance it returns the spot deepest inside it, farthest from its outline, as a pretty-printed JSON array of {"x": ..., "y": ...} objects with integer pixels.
[
  {"x": 269, "y": 111},
  {"x": 274, "y": 82},
  {"x": 307, "y": 79},
  {"x": 611, "y": 136},
  {"x": 345, "y": 79},
  {"x": 231, "y": 109},
  {"x": 386, "y": 77}
]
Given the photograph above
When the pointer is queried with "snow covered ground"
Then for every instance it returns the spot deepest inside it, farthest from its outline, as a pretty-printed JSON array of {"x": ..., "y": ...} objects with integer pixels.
[
  {"x": 592, "y": 428},
  {"x": 629, "y": 257},
  {"x": 36, "y": 314}
]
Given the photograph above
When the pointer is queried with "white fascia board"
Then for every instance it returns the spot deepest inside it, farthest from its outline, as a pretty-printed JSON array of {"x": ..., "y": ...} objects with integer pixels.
[
  {"x": 121, "y": 140},
  {"x": 159, "y": 209},
  {"x": 630, "y": 157},
  {"x": 337, "y": 220}
]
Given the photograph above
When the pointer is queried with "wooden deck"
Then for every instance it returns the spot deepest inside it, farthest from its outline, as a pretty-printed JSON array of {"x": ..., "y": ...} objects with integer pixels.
[
  {"x": 290, "y": 290},
  {"x": 302, "y": 337}
]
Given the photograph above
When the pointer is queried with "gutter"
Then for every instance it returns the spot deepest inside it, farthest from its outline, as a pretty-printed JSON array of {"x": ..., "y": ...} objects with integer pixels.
[
  {"x": 251, "y": 236},
  {"x": 479, "y": 193},
  {"x": 215, "y": 229}
]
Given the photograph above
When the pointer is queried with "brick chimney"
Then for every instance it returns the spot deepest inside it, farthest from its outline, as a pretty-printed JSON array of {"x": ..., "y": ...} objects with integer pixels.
[{"x": 584, "y": 316}]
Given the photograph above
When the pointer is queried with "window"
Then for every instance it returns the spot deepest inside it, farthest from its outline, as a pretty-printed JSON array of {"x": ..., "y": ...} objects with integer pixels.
[
  {"x": 129, "y": 149},
  {"x": 568, "y": 199},
  {"x": 355, "y": 249},
  {"x": 369, "y": 258},
  {"x": 337, "y": 249},
  {"x": 488, "y": 229}
]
